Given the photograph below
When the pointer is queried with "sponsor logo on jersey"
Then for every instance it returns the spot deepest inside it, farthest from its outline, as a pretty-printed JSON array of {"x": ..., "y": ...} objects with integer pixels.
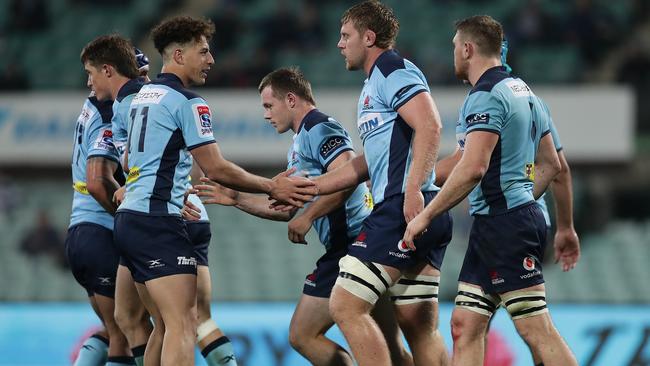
[
  {"x": 186, "y": 261},
  {"x": 519, "y": 88},
  {"x": 148, "y": 95},
  {"x": 401, "y": 245},
  {"x": 155, "y": 263},
  {"x": 368, "y": 201},
  {"x": 529, "y": 263},
  {"x": 399, "y": 255},
  {"x": 460, "y": 138},
  {"x": 360, "y": 241},
  {"x": 366, "y": 103},
  {"x": 105, "y": 140},
  {"x": 529, "y": 170},
  {"x": 84, "y": 116},
  {"x": 310, "y": 280},
  {"x": 134, "y": 174},
  {"x": 330, "y": 145},
  {"x": 105, "y": 281},
  {"x": 476, "y": 118},
  {"x": 203, "y": 119},
  {"x": 369, "y": 122},
  {"x": 80, "y": 187},
  {"x": 496, "y": 278}
]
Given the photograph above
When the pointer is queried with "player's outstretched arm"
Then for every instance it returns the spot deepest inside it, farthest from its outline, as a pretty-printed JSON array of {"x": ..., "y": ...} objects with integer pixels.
[
  {"x": 100, "y": 182},
  {"x": 466, "y": 175},
  {"x": 566, "y": 242},
  {"x": 257, "y": 205},
  {"x": 300, "y": 225},
  {"x": 293, "y": 190},
  {"x": 445, "y": 165},
  {"x": 421, "y": 114},
  {"x": 547, "y": 165},
  {"x": 346, "y": 176}
]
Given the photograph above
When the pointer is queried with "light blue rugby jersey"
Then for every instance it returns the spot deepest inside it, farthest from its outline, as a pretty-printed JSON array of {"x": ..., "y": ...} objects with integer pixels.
[
  {"x": 120, "y": 126},
  {"x": 121, "y": 114},
  {"x": 386, "y": 137},
  {"x": 558, "y": 147},
  {"x": 319, "y": 141},
  {"x": 92, "y": 138},
  {"x": 167, "y": 121},
  {"x": 505, "y": 105}
]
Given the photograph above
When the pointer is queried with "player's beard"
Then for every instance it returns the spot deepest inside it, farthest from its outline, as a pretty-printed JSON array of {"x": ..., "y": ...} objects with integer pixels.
[{"x": 461, "y": 72}]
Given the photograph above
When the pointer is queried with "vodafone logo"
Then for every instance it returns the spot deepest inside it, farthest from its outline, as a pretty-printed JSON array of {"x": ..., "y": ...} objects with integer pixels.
[
  {"x": 529, "y": 263},
  {"x": 401, "y": 245}
]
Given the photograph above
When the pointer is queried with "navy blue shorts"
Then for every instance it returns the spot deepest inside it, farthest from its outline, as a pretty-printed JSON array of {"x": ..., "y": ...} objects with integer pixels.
[
  {"x": 200, "y": 236},
  {"x": 380, "y": 239},
  {"x": 320, "y": 282},
  {"x": 505, "y": 252},
  {"x": 92, "y": 257},
  {"x": 154, "y": 246}
]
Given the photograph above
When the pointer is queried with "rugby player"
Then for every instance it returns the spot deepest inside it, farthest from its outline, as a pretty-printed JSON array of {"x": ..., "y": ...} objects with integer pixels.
[
  {"x": 171, "y": 124},
  {"x": 320, "y": 144},
  {"x": 508, "y": 160}
]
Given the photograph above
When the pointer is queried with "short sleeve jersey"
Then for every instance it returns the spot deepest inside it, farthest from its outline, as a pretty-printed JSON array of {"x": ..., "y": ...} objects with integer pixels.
[
  {"x": 558, "y": 147},
  {"x": 506, "y": 106},
  {"x": 121, "y": 114},
  {"x": 386, "y": 137},
  {"x": 168, "y": 121},
  {"x": 92, "y": 138},
  {"x": 319, "y": 141}
]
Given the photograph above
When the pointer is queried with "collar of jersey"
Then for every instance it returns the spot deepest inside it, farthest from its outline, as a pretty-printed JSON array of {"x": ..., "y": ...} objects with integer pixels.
[
  {"x": 383, "y": 55},
  {"x": 168, "y": 76},
  {"x": 308, "y": 118}
]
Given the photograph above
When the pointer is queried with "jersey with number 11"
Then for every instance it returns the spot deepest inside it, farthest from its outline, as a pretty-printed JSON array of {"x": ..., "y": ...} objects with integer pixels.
[{"x": 167, "y": 121}]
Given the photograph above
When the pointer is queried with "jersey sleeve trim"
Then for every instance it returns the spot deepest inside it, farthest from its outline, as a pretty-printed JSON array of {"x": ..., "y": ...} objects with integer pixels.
[
  {"x": 400, "y": 104},
  {"x": 559, "y": 148},
  {"x": 546, "y": 133},
  {"x": 336, "y": 155},
  {"x": 201, "y": 144},
  {"x": 107, "y": 157},
  {"x": 483, "y": 129}
]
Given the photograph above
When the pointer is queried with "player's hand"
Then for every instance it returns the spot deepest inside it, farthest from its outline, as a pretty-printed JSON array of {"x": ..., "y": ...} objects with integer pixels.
[
  {"x": 413, "y": 204},
  {"x": 415, "y": 229},
  {"x": 214, "y": 193},
  {"x": 295, "y": 191},
  {"x": 298, "y": 228},
  {"x": 118, "y": 196},
  {"x": 190, "y": 212},
  {"x": 281, "y": 206},
  {"x": 567, "y": 248}
]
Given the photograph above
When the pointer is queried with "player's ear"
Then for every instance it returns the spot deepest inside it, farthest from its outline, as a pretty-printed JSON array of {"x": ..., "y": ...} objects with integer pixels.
[
  {"x": 291, "y": 99},
  {"x": 469, "y": 49},
  {"x": 107, "y": 70},
  {"x": 369, "y": 38},
  {"x": 178, "y": 56}
]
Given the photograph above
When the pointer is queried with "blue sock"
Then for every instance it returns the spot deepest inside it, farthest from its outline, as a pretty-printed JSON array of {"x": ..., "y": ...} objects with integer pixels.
[
  {"x": 138, "y": 354},
  {"x": 219, "y": 353},
  {"x": 93, "y": 351},
  {"x": 120, "y": 361}
]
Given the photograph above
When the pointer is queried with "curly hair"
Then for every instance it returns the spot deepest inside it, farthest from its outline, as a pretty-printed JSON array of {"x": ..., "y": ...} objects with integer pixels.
[
  {"x": 285, "y": 80},
  {"x": 112, "y": 50},
  {"x": 483, "y": 30},
  {"x": 377, "y": 17},
  {"x": 181, "y": 30}
]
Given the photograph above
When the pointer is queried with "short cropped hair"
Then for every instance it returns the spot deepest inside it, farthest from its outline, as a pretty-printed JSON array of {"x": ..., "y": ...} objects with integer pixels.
[
  {"x": 483, "y": 30},
  {"x": 288, "y": 80},
  {"x": 377, "y": 17},
  {"x": 113, "y": 50},
  {"x": 181, "y": 30}
]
